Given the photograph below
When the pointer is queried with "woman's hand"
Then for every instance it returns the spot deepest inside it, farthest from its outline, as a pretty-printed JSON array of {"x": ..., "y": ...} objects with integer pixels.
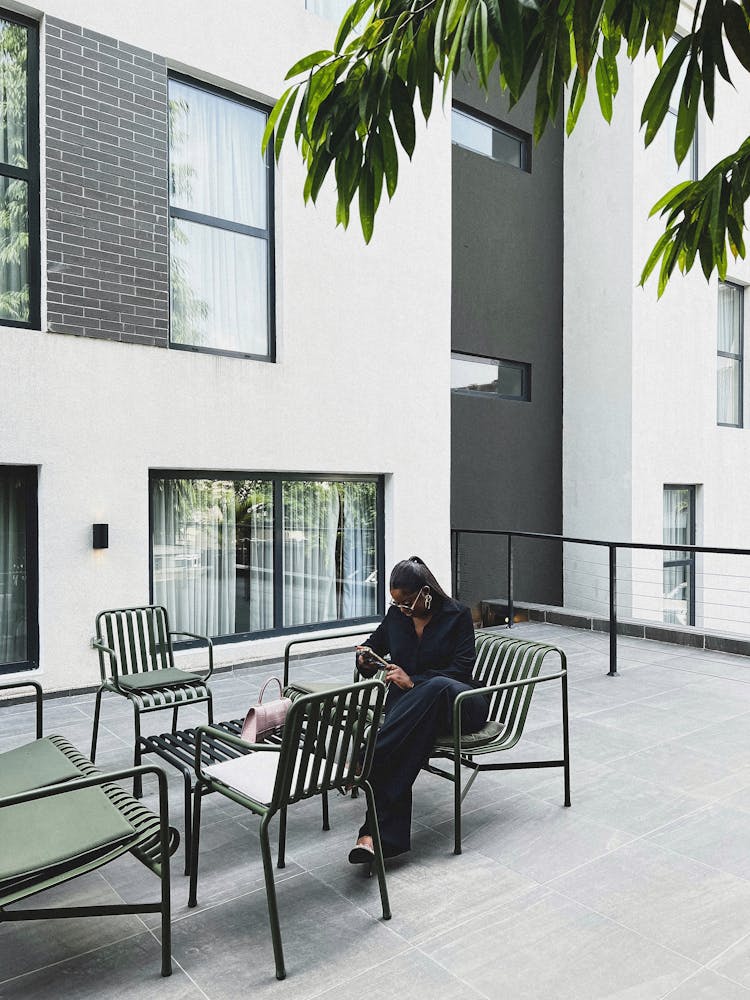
[{"x": 399, "y": 677}]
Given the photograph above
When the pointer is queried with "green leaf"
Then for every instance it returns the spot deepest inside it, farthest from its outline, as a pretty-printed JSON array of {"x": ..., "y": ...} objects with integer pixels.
[
  {"x": 738, "y": 35},
  {"x": 390, "y": 156},
  {"x": 403, "y": 116},
  {"x": 344, "y": 28},
  {"x": 604, "y": 90},
  {"x": 512, "y": 27},
  {"x": 653, "y": 258},
  {"x": 283, "y": 124},
  {"x": 687, "y": 112},
  {"x": 274, "y": 116},
  {"x": 657, "y": 102},
  {"x": 481, "y": 51},
  {"x": 667, "y": 198},
  {"x": 455, "y": 13},
  {"x": 366, "y": 202},
  {"x": 577, "y": 97},
  {"x": 314, "y": 59},
  {"x": 425, "y": 68}
]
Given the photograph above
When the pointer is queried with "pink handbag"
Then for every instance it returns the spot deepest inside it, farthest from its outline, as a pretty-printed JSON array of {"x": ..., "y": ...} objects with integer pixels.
[{"x": 264, "y": 719}]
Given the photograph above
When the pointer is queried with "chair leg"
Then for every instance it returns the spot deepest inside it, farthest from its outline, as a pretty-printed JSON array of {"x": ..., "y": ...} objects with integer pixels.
[
  {"x": 457, "y": 805},
  {"x": 166, "y": 907},
  {"x": 194, "y": 846},
  {"x": 174, "y": 718},
  {"x": 566, "y": 747},
  {"x": 210, "y": 709},
  {"x": 376, "y": 843},
  {"x": 95, "y": 730},
  {"x": 326, "y": 820},
  {"x": 188, "y": 822},
  {"x": 137, "y": 783},
  {"x": 273, "y": 912},
  {"x": 281, "y": 863}
]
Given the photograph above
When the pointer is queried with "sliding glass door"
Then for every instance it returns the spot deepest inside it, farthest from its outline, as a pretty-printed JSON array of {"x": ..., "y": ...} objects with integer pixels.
[{"x": 18, "y": 569}]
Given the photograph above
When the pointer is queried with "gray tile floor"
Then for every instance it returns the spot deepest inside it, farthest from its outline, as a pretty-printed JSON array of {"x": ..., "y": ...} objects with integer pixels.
[{"x": 640, "y": 891}]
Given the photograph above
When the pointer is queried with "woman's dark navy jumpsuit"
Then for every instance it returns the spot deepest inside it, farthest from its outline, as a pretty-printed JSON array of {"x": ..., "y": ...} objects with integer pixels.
[{"x": 440, "y": 665}]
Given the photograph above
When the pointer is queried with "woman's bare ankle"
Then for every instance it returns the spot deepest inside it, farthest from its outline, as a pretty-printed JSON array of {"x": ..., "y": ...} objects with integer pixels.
[{"x": 365, "y": 841}]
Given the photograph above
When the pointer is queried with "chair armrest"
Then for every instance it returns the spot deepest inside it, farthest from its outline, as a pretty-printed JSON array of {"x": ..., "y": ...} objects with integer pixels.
[
  {"x": 317, "y": 638},
  {"x": 37, "y": 699},
  {"x": 114, "y": 662},
  {"x": 102, "y": 778},
  {"x": 231, "y": 740},
  {"x": 210, "y": 646},
  {"x": 491, "y": 689}
]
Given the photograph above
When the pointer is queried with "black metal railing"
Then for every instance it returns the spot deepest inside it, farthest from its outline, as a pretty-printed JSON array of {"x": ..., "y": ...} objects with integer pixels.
[{"x": 612, "y": 547}]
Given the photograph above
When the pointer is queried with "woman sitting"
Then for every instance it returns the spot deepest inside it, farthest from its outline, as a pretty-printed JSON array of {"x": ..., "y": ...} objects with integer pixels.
[{"x": 430, "y": 639}]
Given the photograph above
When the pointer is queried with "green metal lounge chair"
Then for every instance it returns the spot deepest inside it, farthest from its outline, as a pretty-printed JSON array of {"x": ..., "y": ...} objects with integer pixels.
[
  {"x": 508, "y": 670},
  {"x": 60, "y": 817},
  {"x": 136, "y": 660},
  {"x": 324, "y": 737}
]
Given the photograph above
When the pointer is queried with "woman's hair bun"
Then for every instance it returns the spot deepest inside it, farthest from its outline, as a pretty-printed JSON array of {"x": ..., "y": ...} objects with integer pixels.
[{"x": 416, "y": 559}]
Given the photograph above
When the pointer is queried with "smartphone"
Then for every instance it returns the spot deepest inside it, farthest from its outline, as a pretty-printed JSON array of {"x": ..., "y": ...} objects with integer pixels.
[{"x": 370, "y": 656}]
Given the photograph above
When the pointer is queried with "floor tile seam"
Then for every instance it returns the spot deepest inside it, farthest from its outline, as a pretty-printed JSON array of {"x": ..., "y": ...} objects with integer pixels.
[
  {"x": 71, "y": 958},
  {"x": 635, "y": 838},
  {"x": 385, "y": 924},
  {"x": 473, "y": 990},
  {"x": 359, "y": 972},
  {"x": 633, "y": 930},
  {"x": 721, "y": 954},
  {"x": 534, "y": 886},
  {"x": 181, "y": 967},
  {"x": 697, "y": 861}
]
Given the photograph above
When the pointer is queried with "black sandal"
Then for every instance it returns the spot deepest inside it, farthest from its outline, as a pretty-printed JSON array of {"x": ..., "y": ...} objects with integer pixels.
[{"x": 360, "y": 854}]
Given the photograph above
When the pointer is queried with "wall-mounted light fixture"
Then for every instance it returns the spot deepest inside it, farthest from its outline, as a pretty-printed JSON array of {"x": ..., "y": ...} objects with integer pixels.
[{"x": 101, "y": 536}]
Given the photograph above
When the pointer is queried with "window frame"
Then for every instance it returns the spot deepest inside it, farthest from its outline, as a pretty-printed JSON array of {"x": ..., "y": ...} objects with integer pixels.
[
  {"x": 690, "y": 560},
  {"x": 277, "y": 479},
  {"x": 30, "y": 476},
  {"x": 31, "y": 173},
  {"x": 523, "y": 366},
  {"x": 523, "y": 138},
  {"x": 214, "y": 222},
  {"x": 736, "y": 357}
]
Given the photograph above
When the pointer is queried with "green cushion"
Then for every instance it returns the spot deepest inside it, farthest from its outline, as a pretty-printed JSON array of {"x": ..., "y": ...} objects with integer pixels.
[
  {"x": 41, "y": 834},
  {"x": 32, "y": 766},
  {"x": 167, "y": 677},
  {"x": 483, "y": 736}
]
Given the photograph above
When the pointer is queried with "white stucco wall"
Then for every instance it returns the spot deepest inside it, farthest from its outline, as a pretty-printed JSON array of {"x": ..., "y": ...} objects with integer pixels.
[
  {"x": 663, "y": 401},
  {"x": 360, "y": 385}
]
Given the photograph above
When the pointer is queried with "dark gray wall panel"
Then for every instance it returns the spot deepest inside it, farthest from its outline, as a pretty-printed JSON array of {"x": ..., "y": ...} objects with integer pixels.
[
  {"x": 107, "y": 229},
  {"x": 507, "y": 303}
]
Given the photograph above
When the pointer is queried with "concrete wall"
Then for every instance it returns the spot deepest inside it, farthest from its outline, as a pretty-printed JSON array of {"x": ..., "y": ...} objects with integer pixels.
[
  {"x": 363, "y": 346},
  {"x": 507, "y": 303}
]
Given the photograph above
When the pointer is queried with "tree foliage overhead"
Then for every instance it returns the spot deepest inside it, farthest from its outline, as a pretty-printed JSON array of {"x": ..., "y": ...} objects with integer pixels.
[{"x": 351, "y": 106}]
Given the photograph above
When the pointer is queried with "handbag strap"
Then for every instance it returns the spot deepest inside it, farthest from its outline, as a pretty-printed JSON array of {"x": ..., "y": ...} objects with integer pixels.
[{"x": 263, "y": 689}]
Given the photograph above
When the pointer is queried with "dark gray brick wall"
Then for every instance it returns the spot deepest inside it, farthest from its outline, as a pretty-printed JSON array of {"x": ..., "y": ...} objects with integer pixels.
[{"x": 107, "y": 211}]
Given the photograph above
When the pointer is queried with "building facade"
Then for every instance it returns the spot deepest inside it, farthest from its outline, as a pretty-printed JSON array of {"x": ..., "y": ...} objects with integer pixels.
[{"x": 190, "y": 355}]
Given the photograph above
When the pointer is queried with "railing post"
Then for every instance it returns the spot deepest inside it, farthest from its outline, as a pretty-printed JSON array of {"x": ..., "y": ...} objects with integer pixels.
[
  {"x": 612, "y": 611},
  {"x": 510, "y": 581},
  {"x": 455, "y": 567}
]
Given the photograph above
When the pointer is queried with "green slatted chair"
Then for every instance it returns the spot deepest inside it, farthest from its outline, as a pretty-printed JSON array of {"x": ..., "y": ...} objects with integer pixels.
[
  {"x": 136, "y": 660},
  {"x": 324, "y": 737},
  {"x": 60, "y": 817},
  {"x": 509, "y": 671}
]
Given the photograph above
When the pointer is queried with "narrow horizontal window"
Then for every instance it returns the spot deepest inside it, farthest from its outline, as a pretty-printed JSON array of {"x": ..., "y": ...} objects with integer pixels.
[
  {"x": 482, "y": 135},
  {"x": 490, "y": 376},
  {"x": 234, "y": 557}
]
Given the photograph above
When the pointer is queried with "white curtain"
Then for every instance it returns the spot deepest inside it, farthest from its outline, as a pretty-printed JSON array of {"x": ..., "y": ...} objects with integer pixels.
[
  {"x": 195, "y": 554},
  {"x": 259, "y": 522},
  {"x": 358, "y": 551},
  {"x": 311, "y": 518},
  {"x": 729, "y": 370},
  {"x": 677, "y": 529},
  {"x": 219, "y": 278},
  {"x": 14, "y": 193},
  {"x": 12, "y": 572}
]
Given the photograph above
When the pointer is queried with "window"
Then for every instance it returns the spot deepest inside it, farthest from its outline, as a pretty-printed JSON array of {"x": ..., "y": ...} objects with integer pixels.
[
  {"x": 490, "y": 376},
  {"x": 19, "y": 635},
  {"x": 243, "y": 555},
  {"x": 20, "y": 280},
  {"x": 729, "y": 367},
  {"x": 688, "y": 169},
  {"x": 483, "y": 135},
  {"x": 334, "y": 10},
  {"x": 221, "y": 223},
  {"x": 679, "y": 567}
]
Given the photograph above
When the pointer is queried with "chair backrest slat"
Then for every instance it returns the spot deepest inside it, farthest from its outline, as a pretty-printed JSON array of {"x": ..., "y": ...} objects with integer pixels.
[
  {"x": 326, "y": 736},
  {"x": 503, "y": 660},
  {"x": 139, "y": 637}
]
